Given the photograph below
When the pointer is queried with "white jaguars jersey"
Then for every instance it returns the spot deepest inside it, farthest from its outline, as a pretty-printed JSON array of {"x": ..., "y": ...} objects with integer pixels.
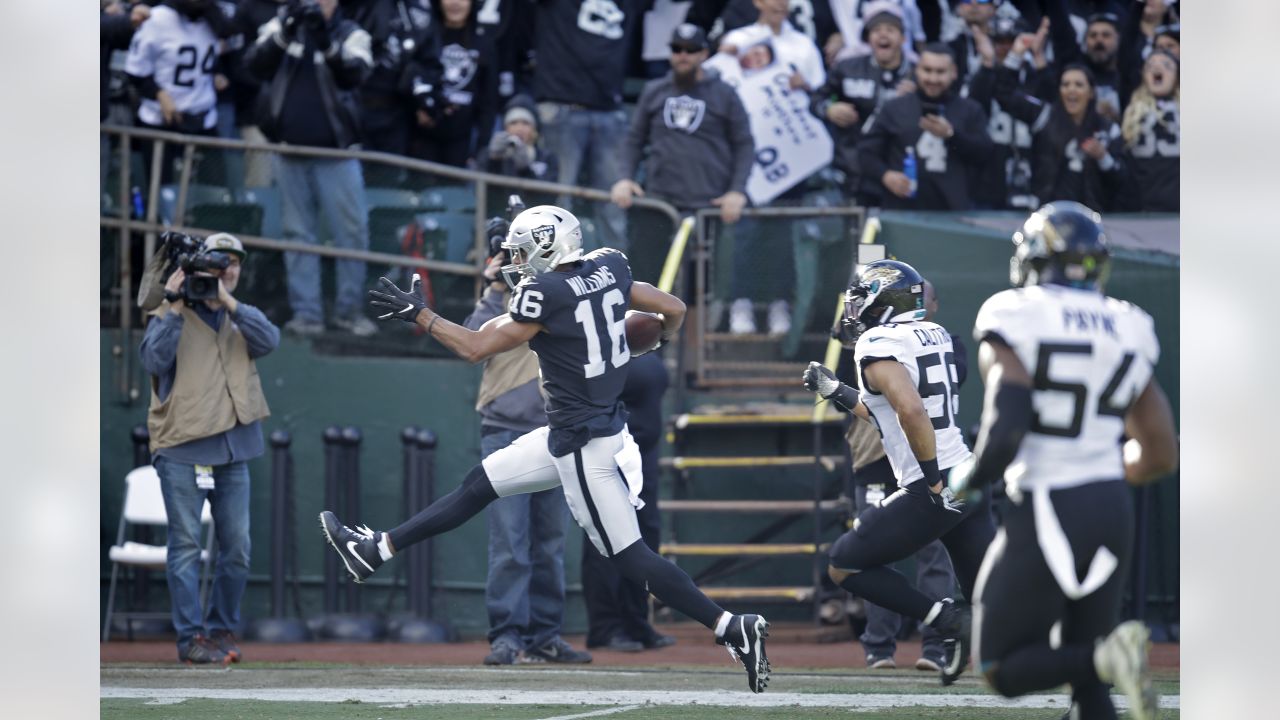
[
  {"x": 1089, "y": 357},
  {"x": 925, "y": 350},
  {"x": 181, "y": 54}
]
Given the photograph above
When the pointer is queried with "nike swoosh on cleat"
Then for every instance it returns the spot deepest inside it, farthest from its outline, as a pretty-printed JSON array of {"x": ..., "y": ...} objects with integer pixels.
[
  {"x": 351, "y": 547},
  {"x": 746, "y": 646}
]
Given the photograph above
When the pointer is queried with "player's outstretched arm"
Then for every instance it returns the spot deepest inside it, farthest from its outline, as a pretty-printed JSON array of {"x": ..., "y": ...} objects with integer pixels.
[
  {"x": 891, "y": 379},
  {"x": 650, "y": 299},
  {"x": 1152, "y": 450},
  {"x": 498, "y": 335}
]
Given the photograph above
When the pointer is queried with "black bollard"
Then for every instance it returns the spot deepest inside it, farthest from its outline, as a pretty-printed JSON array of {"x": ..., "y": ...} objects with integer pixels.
[
  {"x": 412, "y": 504},
  {"x": 350, "y": 479},
  {"x": 332, "y": 501},
  {"x": 277, "y": 627},
  {"x": 426, "y": 495},
  {"x": 280, "y": 512},
  {"x": 141, "y": 445}
]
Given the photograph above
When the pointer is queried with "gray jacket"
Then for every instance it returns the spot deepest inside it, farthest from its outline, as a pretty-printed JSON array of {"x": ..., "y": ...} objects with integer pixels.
[{"x": 699, "y": 141}]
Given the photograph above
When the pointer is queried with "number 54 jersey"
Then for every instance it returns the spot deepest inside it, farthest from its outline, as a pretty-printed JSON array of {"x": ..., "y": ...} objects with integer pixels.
[
  {"x": 1089, "y": 357},
  {"x": 583, "y": 352},
  {"x": 925, "y": 350}
]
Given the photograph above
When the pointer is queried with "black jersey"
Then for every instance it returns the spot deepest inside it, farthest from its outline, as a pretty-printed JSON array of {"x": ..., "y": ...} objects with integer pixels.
[
  {"x": 583, "y": 352},
  {"x": 582, "y": 47}
]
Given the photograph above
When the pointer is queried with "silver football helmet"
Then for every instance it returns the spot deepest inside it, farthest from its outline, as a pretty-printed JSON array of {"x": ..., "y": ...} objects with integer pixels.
[{"x": 540, "y": 239}]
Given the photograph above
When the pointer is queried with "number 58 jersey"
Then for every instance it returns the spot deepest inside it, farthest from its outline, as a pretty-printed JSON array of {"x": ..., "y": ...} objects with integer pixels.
[
  {"x": 925, "y": 350},
  {"x": 1089, "y": 357},
  {"x": 583, "y": 352}
]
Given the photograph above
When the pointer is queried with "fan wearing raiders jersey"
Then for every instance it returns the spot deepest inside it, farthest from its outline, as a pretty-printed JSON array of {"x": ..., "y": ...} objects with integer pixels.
[
  {"x": 570, "y": 308},
  {"x": 1069, "y": 374},
  {"x": 171, "y": 63},
  {"x": 907, "y": 370}
]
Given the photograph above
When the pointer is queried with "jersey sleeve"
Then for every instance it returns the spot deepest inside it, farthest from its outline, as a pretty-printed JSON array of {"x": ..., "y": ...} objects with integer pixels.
[
  {"x": 528, "y": 302},
  {"x": 876, "y": 345},
  {"x": 140, "y": 60}
]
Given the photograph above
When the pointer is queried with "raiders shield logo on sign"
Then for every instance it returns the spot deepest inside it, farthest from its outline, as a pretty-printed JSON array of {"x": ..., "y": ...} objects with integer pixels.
[
  {"x": 684, "y": 113},
  {"x": 544, "y": 235}
]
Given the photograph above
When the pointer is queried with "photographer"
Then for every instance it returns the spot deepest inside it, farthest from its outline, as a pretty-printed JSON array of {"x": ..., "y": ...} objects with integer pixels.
[
  {"x": 515, "y": 150},
  {"x": 205, "y": 423},
  {"x": 312, "y": 61}
]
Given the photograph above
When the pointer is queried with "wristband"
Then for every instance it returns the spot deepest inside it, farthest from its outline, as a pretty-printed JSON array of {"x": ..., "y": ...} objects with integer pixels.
[
  {"x": 432, "y": 324},
  {"x": 932, "y": 476}
]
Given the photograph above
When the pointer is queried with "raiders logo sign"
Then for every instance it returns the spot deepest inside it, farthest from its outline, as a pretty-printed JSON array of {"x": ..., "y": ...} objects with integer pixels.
[
  {"x": 684, "y": 113},
  {"x": 544, "y": 235}
]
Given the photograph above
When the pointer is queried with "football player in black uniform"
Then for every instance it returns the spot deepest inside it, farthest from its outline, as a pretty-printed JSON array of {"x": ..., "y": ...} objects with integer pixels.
[{"x": 571, "y": 309}]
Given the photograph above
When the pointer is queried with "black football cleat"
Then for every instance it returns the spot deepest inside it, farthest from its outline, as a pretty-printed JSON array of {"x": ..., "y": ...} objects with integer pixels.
[
  {"x": 954, "y": 623},
  {"x": 358, "y": 548},
  {"x": 744, "y": 639}
]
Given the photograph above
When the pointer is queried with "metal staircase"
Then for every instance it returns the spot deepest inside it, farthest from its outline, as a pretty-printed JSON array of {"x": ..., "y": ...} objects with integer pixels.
[{"x": 752, "y": 522}]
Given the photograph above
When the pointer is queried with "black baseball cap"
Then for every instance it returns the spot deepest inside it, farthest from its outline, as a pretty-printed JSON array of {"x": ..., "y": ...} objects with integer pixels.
[
  {"x": 688, "y": 36},
  {"x": 1104, "y": 17}
]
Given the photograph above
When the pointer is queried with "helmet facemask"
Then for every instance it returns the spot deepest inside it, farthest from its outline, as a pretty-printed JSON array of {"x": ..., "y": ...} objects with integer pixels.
[{"x": 541, "y": 239}]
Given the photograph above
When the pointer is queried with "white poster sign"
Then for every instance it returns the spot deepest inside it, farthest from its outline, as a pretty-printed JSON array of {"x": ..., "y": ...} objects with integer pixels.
[
  {"x": 659, "y": 24},
  {"x": 791, "y": 144}
]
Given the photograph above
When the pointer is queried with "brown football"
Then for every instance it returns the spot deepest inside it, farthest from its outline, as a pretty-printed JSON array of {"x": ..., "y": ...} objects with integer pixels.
[{"x": 643, "y": 331}]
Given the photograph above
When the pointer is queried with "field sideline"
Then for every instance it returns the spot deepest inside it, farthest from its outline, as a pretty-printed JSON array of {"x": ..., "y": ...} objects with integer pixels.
[{"x": 312, "y": 690}]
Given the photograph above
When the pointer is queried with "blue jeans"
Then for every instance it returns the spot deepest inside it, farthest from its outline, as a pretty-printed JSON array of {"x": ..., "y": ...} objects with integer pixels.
[
  {"x": 578, "y": 135},
  {"x": 310, "y": 186},
  {"x": 525, "y": 590},
  {"x": 229, "y": 502}
]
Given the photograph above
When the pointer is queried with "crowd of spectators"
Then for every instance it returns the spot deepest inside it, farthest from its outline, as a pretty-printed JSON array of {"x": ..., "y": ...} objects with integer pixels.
[{"x": 931, "y": 104}]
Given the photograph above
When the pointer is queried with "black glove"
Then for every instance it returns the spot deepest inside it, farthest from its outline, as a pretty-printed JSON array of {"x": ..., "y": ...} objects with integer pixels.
[
  {"x": 394, "y": 302},
  {"x": 496, "y": 230},
  {"x": 818, "y": 379},
  {"x": 317, "y": 27}
]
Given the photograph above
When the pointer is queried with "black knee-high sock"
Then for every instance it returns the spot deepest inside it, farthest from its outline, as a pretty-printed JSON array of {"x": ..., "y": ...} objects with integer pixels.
[
  {"x": 667, "y": 582},
  {"x": 888, "y": 588},
  {"x": 1040, "y": 667},
  {"x": 473, "y": 495}
]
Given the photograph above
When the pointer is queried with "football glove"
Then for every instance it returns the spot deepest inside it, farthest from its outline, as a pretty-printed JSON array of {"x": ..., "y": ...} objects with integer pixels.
[
  {"x": 396, "y": 303},
  {"x": 818, "y": 379}
]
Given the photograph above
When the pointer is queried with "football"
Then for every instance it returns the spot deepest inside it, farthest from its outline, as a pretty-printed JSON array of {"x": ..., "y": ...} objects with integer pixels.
[{"x": 644, "y": 330}]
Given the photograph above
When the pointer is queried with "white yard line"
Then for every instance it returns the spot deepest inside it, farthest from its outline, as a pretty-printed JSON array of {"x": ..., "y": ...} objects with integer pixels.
[
  {"x": 409, "y": 696},
  {"x": 596, "y": 713}
]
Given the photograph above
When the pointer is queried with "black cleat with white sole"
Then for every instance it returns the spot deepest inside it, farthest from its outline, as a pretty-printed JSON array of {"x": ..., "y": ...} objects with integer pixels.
[
  {"x": 744, "y": 639},
  {"x": 955, "y": 624},
  {"x": 358, "y": 548}
]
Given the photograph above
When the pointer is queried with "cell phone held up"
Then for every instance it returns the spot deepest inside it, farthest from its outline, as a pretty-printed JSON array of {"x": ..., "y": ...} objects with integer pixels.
[{"x": 930, "y": 108}]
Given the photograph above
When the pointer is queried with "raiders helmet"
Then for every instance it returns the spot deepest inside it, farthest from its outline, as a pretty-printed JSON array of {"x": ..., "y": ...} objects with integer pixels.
[
  {"x": 1062, "y": 243},
  {"x": 540, "y": 239},
  {"x": 885, "y": 291}
]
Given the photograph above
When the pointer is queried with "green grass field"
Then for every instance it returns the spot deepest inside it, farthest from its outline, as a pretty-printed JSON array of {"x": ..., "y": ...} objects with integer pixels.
[{"x": 258, "y": 690}]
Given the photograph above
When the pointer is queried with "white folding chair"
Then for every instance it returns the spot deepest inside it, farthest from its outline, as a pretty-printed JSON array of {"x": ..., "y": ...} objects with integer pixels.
[{"x": 144, "y": 505}]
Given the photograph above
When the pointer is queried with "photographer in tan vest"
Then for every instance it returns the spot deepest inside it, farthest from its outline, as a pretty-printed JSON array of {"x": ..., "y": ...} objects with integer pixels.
[{"x": 205, "y": 422}]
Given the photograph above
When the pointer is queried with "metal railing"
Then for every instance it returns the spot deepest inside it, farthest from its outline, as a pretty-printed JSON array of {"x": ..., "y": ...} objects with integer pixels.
[
  {"x": 127, "y": 139},
  {"x": 763, "y": 373}
]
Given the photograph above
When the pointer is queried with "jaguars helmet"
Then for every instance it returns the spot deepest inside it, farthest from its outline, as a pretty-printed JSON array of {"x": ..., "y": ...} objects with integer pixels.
[
  {"x": 885, "y": 291},
  {"x": 1062, "y": 243},
  {"x": 540, "y": 239}
]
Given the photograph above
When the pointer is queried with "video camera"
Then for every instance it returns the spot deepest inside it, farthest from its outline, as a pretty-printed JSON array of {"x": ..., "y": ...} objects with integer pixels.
[
  {"x": 497, "y": 226},
  {"x": 189, "y": 253}
]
